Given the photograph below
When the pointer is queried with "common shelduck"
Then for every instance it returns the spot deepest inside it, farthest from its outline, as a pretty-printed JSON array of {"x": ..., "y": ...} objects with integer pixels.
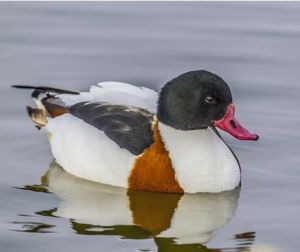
[{"x": 128, "y": 136}]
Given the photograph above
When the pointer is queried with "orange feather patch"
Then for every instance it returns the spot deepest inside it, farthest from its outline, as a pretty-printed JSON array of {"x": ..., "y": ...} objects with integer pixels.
[
  {"x": 152, "y": 211},
  {"x": 153, "y": 170},
  {"x": 55, "y": 106}
]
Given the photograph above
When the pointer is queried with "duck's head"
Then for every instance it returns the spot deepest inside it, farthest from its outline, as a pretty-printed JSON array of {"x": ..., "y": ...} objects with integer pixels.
[{"x": 197, "y": 100}]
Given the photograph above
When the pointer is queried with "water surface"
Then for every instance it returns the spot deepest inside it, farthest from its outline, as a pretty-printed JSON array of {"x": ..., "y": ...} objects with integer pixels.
[{"x": 253, "y": 46}]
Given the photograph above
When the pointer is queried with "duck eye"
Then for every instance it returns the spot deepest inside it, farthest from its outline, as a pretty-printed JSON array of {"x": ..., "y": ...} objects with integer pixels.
[{"x": 210, "y": 100}]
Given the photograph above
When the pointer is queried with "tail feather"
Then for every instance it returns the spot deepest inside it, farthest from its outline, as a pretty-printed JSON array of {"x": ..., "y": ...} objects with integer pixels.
[
  {"x": 47, "y": 103},
  {"x": 46, "y": 89},
  {"x": 38, "y": 116}
]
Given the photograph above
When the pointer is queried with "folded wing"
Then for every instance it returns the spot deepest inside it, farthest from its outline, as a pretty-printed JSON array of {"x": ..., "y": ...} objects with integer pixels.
[{"x": 129, "y": 127}]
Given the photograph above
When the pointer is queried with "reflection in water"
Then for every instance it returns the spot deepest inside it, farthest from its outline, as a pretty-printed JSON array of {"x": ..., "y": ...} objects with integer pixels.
[
  {"x": 33, "y": 227},
  {"x": 176, "y": 222}
]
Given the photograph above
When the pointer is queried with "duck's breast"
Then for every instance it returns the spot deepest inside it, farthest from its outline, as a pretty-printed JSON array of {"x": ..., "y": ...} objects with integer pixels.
[{"x": 201, "y": 160}]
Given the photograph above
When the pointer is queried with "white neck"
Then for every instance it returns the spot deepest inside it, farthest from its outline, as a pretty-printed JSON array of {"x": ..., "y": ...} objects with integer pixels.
[{"x": 201, "y": 160}]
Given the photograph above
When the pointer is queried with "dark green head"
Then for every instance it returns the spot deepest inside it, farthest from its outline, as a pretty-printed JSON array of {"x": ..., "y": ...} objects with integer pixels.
[{"x": 193, "y": 100}]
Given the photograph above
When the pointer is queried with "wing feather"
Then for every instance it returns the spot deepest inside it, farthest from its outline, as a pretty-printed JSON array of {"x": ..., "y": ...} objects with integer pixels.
[
  {"x": 129, "y": 127},
  {"x": 117, "y": 93}
]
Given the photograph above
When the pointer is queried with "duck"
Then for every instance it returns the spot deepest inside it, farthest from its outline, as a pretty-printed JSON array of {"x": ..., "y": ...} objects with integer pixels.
[{"x": 133, "y": 137}]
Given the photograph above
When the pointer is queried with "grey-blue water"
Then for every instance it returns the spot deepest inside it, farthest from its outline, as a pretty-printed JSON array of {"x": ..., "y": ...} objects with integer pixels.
[{"x": 255, "y": 47}]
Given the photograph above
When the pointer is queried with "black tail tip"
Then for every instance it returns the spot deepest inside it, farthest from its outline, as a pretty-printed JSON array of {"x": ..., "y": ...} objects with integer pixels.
[
  {"x": 23, "y": 86},
  {"x": 45, "y": 89}
]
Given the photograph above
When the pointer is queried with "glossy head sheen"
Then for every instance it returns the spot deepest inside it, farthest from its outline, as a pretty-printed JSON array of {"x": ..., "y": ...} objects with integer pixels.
[{"x": 193, "y": 100}]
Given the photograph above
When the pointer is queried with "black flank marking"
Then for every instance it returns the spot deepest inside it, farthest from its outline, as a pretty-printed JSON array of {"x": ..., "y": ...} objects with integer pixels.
[{"x": 129, "y": 127}]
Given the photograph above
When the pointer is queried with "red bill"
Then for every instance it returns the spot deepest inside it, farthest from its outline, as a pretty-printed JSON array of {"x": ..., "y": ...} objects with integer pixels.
[{"x": 231, "y": 125}]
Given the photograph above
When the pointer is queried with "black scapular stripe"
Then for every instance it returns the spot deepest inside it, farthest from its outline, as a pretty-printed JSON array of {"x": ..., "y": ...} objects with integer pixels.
[{"x": 129, "y": 127}]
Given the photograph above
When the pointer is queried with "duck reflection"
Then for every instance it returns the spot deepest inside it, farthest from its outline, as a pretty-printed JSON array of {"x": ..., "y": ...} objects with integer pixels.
[{"x": 176, "y": 222}]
